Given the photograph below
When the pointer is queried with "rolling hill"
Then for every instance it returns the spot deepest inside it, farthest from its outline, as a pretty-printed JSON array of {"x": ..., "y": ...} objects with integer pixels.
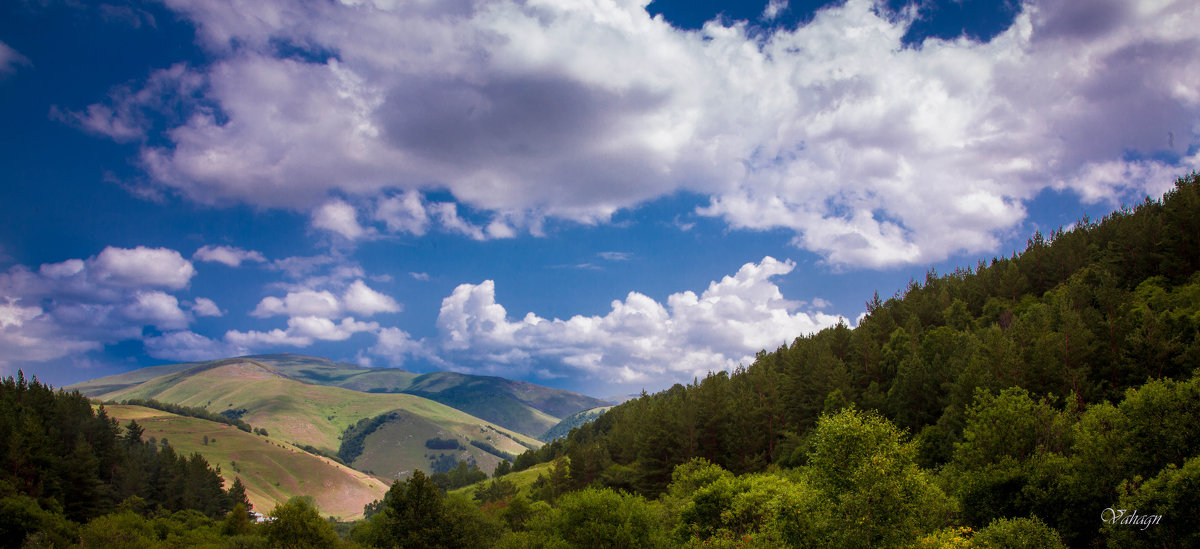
[
  {"x": 522, "y": 407},
  {"x": 316, "y": 415},
  {"x": 272, "y": 470}
]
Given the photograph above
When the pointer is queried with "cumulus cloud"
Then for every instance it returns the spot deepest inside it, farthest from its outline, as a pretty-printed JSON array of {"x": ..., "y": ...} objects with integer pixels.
[
  {"x": 363, "y": 300},
  {"x": 833, "y": 130},
  {"x": 357, "y": 298},
  {"x": 640, "y": 340},
  {"x": 302, "y": 303},
  {"x": 204, "y": 306},
  {"x": 339, "y": 217},
  {"x": 190, "y": 346},
  {"x": 395, "y": 346},
  {"x": 80, "y": 305},
  {"x": 141, "y": 266},
  {"x": 404, "y": 213},
  {"x": 228, "y": 255},
  {"x": 302, "y": 331},
  {"x": 158, "y": 309}
]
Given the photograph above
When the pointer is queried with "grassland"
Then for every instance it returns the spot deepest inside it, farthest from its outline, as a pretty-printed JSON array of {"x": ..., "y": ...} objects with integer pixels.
[
  {"x": 316, "y": 415},
  {"x": 271, "y": 469},
  {"x": 522, "y": 479},
  {"x": 516, "y": 405}
]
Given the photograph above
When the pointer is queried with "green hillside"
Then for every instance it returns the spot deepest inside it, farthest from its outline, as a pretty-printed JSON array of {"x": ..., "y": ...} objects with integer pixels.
[
  {"x": 572, "y": 421},
  {"x": 272, "y": 470},
  {"x": 522, "y": 407},
  {"x": 316, "y": 415}
]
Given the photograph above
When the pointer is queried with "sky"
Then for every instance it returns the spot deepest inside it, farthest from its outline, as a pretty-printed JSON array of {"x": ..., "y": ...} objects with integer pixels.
[{"x": 603, "y": 196}]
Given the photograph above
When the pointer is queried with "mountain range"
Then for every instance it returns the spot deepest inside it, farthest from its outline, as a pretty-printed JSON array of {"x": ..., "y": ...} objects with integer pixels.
[{"x": 333, "y": 430}]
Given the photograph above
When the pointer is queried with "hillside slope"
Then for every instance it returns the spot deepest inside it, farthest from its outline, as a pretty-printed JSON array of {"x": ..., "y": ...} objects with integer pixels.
[
  {"x": 316, "y": 415},
  {"x": 271, "y": 470},
  {"x": 523, "y": 407}
]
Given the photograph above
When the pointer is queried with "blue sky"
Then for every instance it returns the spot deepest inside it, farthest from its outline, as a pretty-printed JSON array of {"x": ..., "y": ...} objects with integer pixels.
[{"x": 600, "y": 196}]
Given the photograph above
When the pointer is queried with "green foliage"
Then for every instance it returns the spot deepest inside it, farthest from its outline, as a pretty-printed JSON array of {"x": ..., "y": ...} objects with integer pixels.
[
  {"x": 463, "y": 474},
  {"x": 502, "y": 468},
  {"x": 601, "y": 518},
  {"x": 237, "y": 495},
  {"x": 1018, "y": 533},
  {"x": 237, "y": 522},
  {"x": 443, "y": 444},
  {"x": 1173, "y": 495},
  {"x": 415, "y": 514},
  {"x": 496, "y": 490},
  {"x": 298, "y": 525}
]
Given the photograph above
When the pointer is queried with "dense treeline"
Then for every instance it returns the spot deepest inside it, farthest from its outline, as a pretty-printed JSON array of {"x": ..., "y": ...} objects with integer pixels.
[
  {"x": 356, "y": 435},
  {"x": 199, "y": 413},
  {"x": 66, "y": 464},
  {"x": 1107, "y": 312}
]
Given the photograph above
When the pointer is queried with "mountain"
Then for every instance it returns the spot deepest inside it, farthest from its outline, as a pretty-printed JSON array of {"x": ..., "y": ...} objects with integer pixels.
[
  {"x": 523, "y": 407},
  {"x": 572, "y": 421},
  {"x": 271, "y": 470},
  {"x": 304, "y": 414}
]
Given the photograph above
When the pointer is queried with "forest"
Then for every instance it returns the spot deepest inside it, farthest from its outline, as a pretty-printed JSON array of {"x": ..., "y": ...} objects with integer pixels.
[{"x": 1046, "y": 399}]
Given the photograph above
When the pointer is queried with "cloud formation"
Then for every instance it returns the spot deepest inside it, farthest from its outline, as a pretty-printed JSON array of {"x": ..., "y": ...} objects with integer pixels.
[
  {"x": 10, "y": 59},
  {"x": 80, "y": 305},
  {"x": 357, "y": 298},
  {"x": 522, "y": 111},
  {"x": 640, "y": 341},
  {"x": 228, "y": 255}
]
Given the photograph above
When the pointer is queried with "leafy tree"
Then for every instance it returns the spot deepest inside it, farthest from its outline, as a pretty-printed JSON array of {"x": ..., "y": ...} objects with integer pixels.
[
  {"x": 297, "y": 525},
  {"x": 600, "y": 518}
]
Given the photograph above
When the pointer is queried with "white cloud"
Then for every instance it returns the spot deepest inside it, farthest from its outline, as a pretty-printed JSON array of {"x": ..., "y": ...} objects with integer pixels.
[
  {"x": 190, "y": 346},
  {"x": 141, "y": 267},
  {"x": 204, "y": 306},
  {"x": 639, "y": 340},
  {"x": 79, "y": 305},
  {"x": 403, "y": 213},
  {"x": 357, "y": 298},
  {"x": 395, "y": 345},
  {"x": 773, "y": 9},
  {"x": 302, "y": 303},
  {"x": 363, "y": 300},
  {"x": 325, "y": 329},
  {"x": 424, "y": 277},
  {"x": 128, "y": 114},
  {"x": 158, "y": 309},
  {"x": 302, "y": 331},
  {"x": 524, "y": 110},
  {"x": 273, "y": 338},
  {"x": 447, "y": 214},
  {"x": 229, "y": 255},
  {"x": 339, "y": 217}
]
